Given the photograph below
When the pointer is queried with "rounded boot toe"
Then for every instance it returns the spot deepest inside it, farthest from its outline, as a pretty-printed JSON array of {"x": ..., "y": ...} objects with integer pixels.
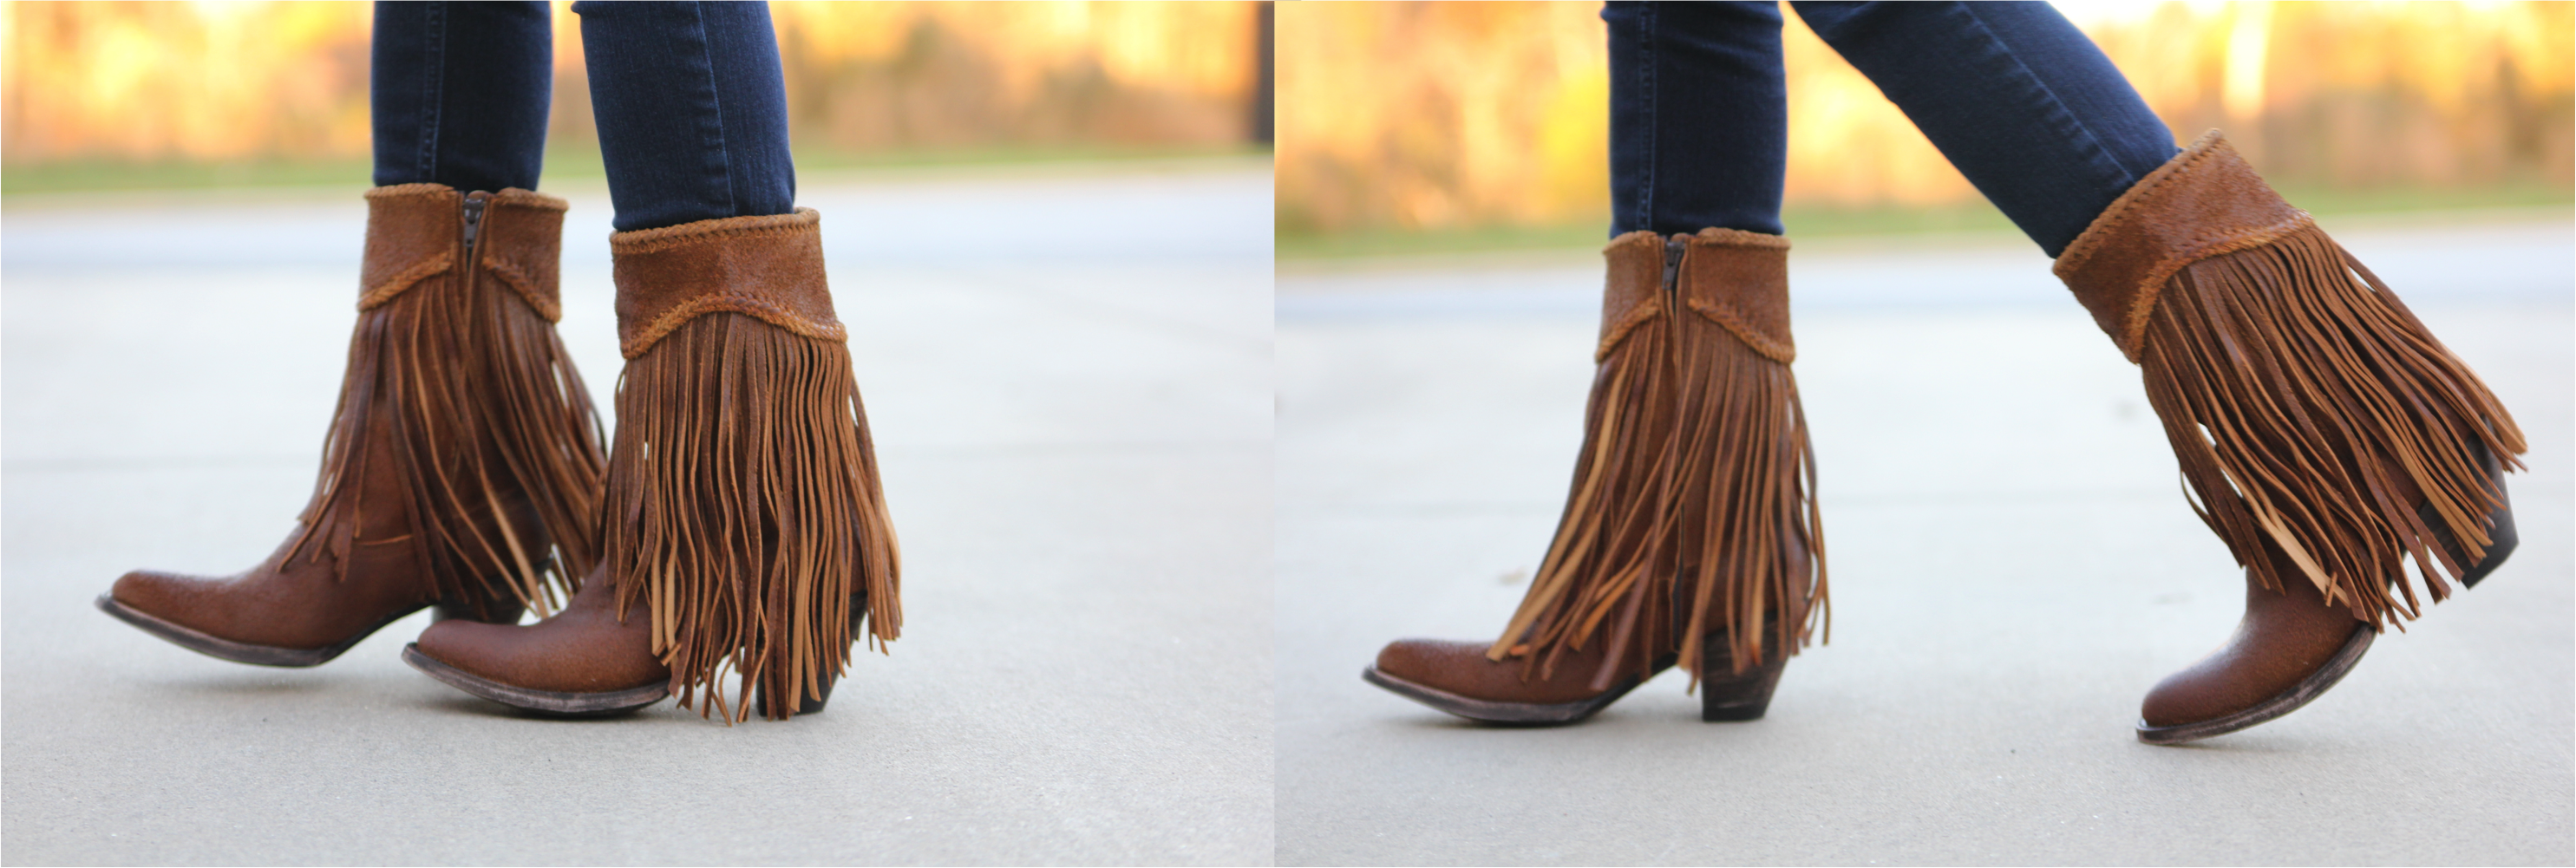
[
  {"x": 470, "y": 646},
  {"x": 2191, "y": 696},
  {"x": 567, "y": 654}
]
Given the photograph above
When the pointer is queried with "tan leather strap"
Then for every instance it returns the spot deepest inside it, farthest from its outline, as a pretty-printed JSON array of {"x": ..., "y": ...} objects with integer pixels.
[
  {"x": 770, "y": 267},
  {"x": 412, "y": 232},
  {"x": 1740, "y": 280},
  {"x": 1634, "y": 291},
  {"x": 1737, "y": 279},
  {"x": 2205, "y": 202},
  {"x": 522, "y": 244}
]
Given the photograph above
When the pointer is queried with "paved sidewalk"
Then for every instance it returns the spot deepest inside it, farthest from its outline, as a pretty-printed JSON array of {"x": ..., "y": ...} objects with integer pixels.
[
  {"x": 1069, "y": 382},
  {"x": 2012, "y": 566}
]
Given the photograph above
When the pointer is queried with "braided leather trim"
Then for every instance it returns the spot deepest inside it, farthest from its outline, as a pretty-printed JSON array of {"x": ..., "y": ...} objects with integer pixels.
[
  {"x": 411, "y": 236},
  {"x": 1632, "y": 294},
  {"x": 523, "y": 246},
  {"x": 1740, "y": 280},
  {"x": 769, "y": 267},
  {"x": 2205, "y": 202}
]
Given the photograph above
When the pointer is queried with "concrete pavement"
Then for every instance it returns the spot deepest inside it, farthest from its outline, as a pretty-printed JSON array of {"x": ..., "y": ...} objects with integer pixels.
[
  {"x": 2012, "y": 566},
  {"x": 1073, "y": 386},
  {"x": 1068, "y": 379}
]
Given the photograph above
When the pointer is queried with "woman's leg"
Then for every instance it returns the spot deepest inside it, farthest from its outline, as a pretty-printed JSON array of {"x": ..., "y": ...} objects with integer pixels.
[
  {"x": 1699, "y": 117},
  {"x": 459, "y": 93},
  {"x": 2018, "y": 99},
  {"x": 692, "y": 111}
]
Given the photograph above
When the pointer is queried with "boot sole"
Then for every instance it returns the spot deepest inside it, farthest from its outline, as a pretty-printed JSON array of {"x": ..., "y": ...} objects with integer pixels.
[
  {"x": 1489, "y": 711},
  {"x": 546, "y": 703},
  {"x": 2307, "y": 690},
  {"x": 237, "y": 652}
]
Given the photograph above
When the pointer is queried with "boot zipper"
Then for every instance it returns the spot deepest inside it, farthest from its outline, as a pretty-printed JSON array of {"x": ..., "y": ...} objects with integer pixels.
[
  {"x": 473, "y": 236},
  {"x": 473, "y": 219},
  {"x": 1673, "y": 267}
]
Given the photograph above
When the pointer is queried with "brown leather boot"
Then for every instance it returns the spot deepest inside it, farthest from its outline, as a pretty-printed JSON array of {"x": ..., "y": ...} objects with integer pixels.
[
  {"x": 1690, "y": 536},
  {"x": 2289, "y": 648},
  {"x": 462, "y": 467},
  {"x": 2327, "y": 436},
  {"x": 589, "y": 660},
  {"x": 746, "y": 529}
]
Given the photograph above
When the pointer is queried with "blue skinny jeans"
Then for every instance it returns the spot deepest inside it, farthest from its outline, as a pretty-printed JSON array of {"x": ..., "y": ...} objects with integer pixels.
[
  {"x": 689, "y": 99},
  {"x": 2014, "y": 96}
]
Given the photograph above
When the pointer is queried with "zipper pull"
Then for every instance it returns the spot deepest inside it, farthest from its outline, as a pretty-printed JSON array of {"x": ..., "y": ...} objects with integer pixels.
[
  {"x": 473, "y": 217},
  {"x": 1673, "y": 250}
]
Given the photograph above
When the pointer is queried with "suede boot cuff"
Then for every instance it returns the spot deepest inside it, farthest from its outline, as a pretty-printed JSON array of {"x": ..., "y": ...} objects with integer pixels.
[
  {"x": 415, "y": 232},
  {"x": 2205, "y": 202},
  {"x": 769, "y": 267},
  {"x": 1737, "y": 279}
]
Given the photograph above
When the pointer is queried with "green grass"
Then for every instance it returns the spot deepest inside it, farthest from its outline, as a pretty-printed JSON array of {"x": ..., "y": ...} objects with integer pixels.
[
  {"x": 1810, "y": 222},
  {"x": 106, "y": 175},
  {"x": 562, "y": 164}
]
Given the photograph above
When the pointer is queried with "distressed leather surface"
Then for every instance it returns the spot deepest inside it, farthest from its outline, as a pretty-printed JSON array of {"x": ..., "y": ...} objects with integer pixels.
[
  {"x": 2282, "y": 639},
  {"x": 1633, "y": 291},
  {"x": 2205, "y": 202},
  {"x": 1461, "y": 668},
  {"x": 582, "y": 649},
  {"x": 769, "y": 267},
  {"x": 1740, "y": 280},
  {"x": 522, "y": 245}
]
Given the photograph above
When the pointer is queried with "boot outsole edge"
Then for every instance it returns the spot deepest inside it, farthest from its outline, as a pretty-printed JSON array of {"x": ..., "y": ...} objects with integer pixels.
[
  {"x": 1489, "y": 711},
  {"x": 2302, "y": 693},
  {"x": 546, "y": 703},
  {"x": 226, "y": 649}
]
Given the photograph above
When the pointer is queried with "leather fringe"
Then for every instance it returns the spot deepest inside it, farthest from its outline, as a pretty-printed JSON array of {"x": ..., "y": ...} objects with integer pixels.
[
  {"x": 2311, "y": 411},
  {"x": 495, "y": 434},
  {"x": 745, "y": 534},
  {"x": 1692, "y": 510}
]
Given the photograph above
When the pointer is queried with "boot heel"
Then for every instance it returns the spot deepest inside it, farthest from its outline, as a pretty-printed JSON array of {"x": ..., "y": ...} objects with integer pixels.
[
  {"x": 1726, "y": 696},
  {"x": 814, "y": 704}
]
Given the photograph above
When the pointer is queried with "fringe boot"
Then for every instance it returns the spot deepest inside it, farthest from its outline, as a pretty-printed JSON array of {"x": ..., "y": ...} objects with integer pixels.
[
  {"x": 462, "y": 468},
  {"x": 747, "y": 538},
  {"x": 1691, "y": 534},
  {"x": 2322, "y": 432}
]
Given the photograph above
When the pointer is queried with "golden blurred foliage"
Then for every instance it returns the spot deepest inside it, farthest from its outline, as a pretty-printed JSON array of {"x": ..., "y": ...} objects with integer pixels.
[
  {"x": 903, "y": 75},
  {"x": 217, "y": 81},
  {"x": 1439, "y": 115},
  {"x": 204, "y": 80}
]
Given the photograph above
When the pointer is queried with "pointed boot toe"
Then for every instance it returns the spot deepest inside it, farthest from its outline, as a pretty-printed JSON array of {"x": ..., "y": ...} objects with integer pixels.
[
  {"x": 195, "y": 612},
  {"x": 583, "y": 662},
  {"x": 161, "y": 595},
  {"x": 1455, "y": 677}
]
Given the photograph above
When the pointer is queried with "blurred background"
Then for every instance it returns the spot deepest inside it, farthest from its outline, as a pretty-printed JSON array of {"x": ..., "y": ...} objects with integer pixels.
[
  {"x": 97, "y": 95},
  {"x": 1455, "y": 126}
]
